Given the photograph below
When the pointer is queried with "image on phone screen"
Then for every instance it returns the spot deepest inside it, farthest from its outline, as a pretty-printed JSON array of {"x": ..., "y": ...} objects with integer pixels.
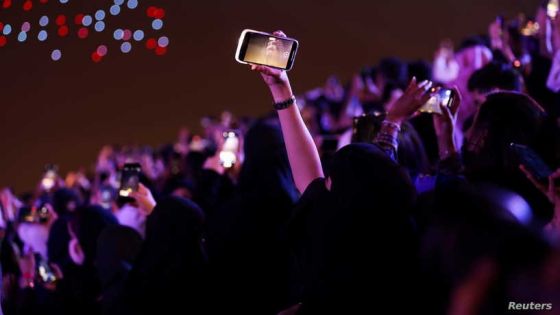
[
  {"x": 228, "y": 155},
  {"x": 130, "y": 178},
  {"x": 440, "y": 95}
]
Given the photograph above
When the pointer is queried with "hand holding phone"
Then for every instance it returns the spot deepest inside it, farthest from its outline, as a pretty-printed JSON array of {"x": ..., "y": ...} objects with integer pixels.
[
  {"x": 271, "y": 50},
  {"x": 531, "y": 162}
]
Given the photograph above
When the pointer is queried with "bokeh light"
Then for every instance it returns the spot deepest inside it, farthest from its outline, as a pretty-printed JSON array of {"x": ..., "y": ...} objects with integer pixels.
[
  {"x": 99, "y": 26},
  {"x": 25, "y": 27},
  {"x": 1, "y": 26},
  {"x": 42, "y": 36},
  {"x": 132, "y": 4},
  {"x": 7, "y": 29},
  {"x": 63, "y": 1},
  {"x": 99, "y": 15},
  {"x": 102, "y": 50},
  {"x": 63, "y": 31},
  {"x": 44, "y": 21},
  {"x": 157, "y": 24},
  {"x": 118, "y": 34},
  {"x": 126, "y": 47},
  {"x": 151, "y": 11},
  {"x": 78, "y": 18},
  {"x": 27, "y": 5},
  {"x": 115, "y": 9},
  {"x": 83, "y": 33},
  {"x": 138, "y": 35},
  {"x": 56, "y": 55},
  {"x": 3, "y": 40},
  {"x": 163, "y": 41},
  {"x": 60, "y": 20},
  {"x": 95, "y": 57},
  {"x": 6, "y": 4},
  {"x": 151, "y": 43},
  {"x": 160, "y": 51},
  {"x": 119, "y": 2},
  {"x": 159, "y": 13},
  {"x": 127, "y": 34},
  {"x": 22, "y": 36},
  {"x": 87, "y": 20}
]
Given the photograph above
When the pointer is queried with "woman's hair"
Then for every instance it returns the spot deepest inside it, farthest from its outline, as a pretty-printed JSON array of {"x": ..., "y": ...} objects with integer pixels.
[
  {"x": 504, "y": 118},
  {"x": 411, "y": 152}
]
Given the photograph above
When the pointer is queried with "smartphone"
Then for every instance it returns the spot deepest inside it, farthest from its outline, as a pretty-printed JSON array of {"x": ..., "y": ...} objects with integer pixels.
[
  {"x": 552, "y": 9},
  {"x": 261, "y": 48},
  {"x": 49, "y": 177},
  {"x": 37, "y": 214},
  {"x": 44, "y": 271},
  {"x": 130, "y": 178},
  {"x": 531, "y": 161},
  {"x": 228, "y": 155},
  {"x": 440, "y": 95}
]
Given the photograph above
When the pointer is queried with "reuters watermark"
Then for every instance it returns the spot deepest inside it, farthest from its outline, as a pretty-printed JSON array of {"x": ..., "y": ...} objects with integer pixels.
[{"x": 514, "y": 306}]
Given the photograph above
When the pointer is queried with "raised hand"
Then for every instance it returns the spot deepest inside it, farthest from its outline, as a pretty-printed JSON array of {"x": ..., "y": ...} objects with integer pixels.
[
  {"x": 144, "y": 198},
  {"x": 445, "y": 126},
  {"x": 415, "y": 95}
]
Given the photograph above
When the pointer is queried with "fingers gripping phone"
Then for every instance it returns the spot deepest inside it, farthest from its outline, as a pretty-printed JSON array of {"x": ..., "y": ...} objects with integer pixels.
[
  {"x": 228, "y": 155},
  {"x": 261, "y": 48},
  {"x": 440, "y": 95},
  {"x": 130, "y": 178}
]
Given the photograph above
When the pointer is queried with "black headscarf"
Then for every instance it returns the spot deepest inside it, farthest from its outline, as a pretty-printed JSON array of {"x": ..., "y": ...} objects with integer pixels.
[
  {"x": 247, "y": 237},
  {"x": 355, "y": 244},
  {"x": 169, "y": 272},
  {"x": 117, "y": 248}
]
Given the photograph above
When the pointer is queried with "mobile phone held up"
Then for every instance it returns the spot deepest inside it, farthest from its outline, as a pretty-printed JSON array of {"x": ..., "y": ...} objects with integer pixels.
[
  {"x": 130, "y": 178},
  {"x": 50, "y": 177},
  {"x": 228, "y": 155},
  {"x": 265, "y": 49},
  {"x": 531, "y": 161},
  {"x": 552, "y": 8},
  {"x": 440, "y": 95}
]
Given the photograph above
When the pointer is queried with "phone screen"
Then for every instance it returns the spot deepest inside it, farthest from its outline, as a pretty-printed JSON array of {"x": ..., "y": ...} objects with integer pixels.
[
  {"x": 440, "y": 95},
  {"x": 531, "y": 161},
  {"x": 49, "y": 178},
  {"x": 228, "y": 155},
  {"x": 552, "y": 9},
  {"x": 130, "y": 178},
  {"x": 266, "y": 49}
]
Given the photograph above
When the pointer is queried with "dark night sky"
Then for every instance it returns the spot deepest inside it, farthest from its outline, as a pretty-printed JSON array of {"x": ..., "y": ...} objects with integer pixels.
[{"x": 63, "y": 112}]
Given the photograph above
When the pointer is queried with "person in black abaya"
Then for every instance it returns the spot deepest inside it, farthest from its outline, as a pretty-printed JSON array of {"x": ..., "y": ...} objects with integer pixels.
[
  {"x": 354, "y": 241},
  {"x": 169, "y": 275},
  {"x": 248, "y": 248},
  {"x": 117, "y": 248}
]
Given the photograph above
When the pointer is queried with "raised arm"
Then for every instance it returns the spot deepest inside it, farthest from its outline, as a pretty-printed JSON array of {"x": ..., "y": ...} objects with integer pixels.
[{"x": 302, "y": 153}]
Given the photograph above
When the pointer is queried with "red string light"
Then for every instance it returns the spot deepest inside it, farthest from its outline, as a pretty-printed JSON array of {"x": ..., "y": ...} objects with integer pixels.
[
  {"x": 27, "y": 5},
  {"x": 83, "y": 33},
  {"x": 151, "y": 43},
  {"x": 60, "y": 20},
  {"x": 63, "y": 31}
]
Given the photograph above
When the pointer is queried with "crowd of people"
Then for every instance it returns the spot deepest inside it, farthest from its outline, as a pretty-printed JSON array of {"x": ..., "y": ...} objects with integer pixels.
[{"x": 346, "y": 199}]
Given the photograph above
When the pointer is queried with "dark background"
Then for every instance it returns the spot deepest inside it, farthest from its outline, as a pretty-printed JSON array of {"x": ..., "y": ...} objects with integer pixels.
[{"x": 63, "y": 112}]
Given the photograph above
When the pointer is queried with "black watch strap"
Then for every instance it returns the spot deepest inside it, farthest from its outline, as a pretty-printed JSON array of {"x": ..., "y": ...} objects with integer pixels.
[{"x": 285, "y": 104}]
